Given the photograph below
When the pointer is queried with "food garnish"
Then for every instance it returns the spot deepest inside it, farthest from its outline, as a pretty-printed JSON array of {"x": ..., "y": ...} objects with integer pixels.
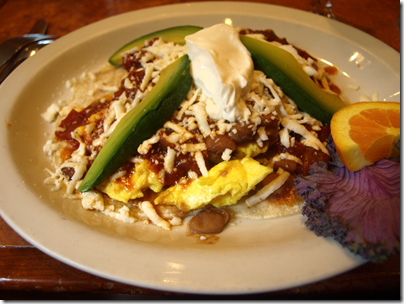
[
  {"x": 141, "y": 122},
  {"x": 366, "y": 132},
  {"x": 173, "y": 34},
  {"x": 286, "y": 72},
  {"x": 360, "y": 210},
  {"x": 222, "y": 68}
]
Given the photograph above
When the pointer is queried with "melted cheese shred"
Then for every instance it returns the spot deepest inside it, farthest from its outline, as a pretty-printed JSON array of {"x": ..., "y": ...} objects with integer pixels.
[
  {"x": 151, "y": 213},
  {"x": 309, "y": 139},
  {"x": 268, "y": 189}
]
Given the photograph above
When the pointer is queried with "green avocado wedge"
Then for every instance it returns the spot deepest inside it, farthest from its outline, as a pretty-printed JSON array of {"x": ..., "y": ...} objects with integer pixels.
[
  {"x": 141, "y": 122},
  {"x": 174, "y": 34},
  {"x": 288, "y": 74}
]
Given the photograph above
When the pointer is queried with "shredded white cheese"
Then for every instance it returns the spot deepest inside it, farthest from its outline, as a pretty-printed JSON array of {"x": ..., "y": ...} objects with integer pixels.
[
  {"x": 169, "y": 160},
  {"x": 51, "y": 113},
  {"x": 287, "y": 156},
  {"x": 122, "y": 214},
  {"x": 92, "y": 200},
  {"x": 201, "y": 118},
  {"x": 309, "y": 139},
  {"x": 186, "y": 148},
  {"x": 201, "y": 163},
  {"x": 151, "y": 213},
  {"x": 268, "y": 189},
  {"x": 147, "y": 144},
  {"x": 284, "y": 137},
  {"x": 226, "y": 155}
]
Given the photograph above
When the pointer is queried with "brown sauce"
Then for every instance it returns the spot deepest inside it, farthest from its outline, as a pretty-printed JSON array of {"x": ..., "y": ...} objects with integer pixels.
[
  {"x": 77, "y": 119},
  {"x": 204, "y": 239}
]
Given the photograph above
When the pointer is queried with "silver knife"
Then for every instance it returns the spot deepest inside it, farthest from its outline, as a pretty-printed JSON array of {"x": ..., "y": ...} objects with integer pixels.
[{"x": 11, "y": 46}]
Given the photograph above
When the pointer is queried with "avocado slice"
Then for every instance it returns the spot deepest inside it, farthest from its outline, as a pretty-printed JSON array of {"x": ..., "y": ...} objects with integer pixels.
[
  {"x": 173, "y": 34},
  {"x": 287, "y": 73},
  {"x": 141, "y": 122}
]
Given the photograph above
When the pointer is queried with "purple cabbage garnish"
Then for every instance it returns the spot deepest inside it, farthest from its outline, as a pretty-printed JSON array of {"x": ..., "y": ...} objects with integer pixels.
[{"x": 360, "y": 210}]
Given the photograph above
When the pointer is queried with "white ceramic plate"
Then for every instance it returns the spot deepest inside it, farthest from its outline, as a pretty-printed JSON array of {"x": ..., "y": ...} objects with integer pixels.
[{"x": 252, "y": 256}]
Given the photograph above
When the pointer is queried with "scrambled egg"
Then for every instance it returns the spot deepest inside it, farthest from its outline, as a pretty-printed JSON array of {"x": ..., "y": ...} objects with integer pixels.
[
  {"x": 225, "y": 184},
  {"x": 249, "y": 150},
  {"x": 130, "y": 188}
]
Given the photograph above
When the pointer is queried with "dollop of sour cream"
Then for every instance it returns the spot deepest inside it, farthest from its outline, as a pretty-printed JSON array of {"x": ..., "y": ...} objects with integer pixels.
[{"x": 222, "y": 67}]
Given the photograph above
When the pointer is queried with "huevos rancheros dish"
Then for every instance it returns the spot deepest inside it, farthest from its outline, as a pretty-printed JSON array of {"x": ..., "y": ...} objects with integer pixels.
[{"x": 209, "y": 124}]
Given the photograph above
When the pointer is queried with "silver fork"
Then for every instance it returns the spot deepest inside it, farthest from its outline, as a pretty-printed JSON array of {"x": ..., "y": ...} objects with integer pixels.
[
  {"x": 29, "y": 51},
  {"x": 12, "y": 46}
]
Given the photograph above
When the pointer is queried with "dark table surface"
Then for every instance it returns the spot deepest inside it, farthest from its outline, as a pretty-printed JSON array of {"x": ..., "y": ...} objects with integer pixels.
[{"x": 28, "y": 273}]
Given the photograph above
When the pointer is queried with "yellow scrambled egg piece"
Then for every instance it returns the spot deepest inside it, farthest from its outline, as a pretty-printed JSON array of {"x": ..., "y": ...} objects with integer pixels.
[
  {"x": 140, "y": 180},
  {"x": 225, "y": 184},
  {"x": 249, "y": 150}
]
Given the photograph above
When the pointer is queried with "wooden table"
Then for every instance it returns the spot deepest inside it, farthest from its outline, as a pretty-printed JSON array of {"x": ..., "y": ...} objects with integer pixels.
[{"x": 27, "y": 273}]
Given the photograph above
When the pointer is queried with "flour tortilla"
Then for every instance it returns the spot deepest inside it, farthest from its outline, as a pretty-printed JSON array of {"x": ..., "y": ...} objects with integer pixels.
[{"x": 286, "y": 205}]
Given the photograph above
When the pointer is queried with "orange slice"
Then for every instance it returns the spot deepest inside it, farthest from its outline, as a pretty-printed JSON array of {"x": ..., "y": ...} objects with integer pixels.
[{"x": 366, "y": 132}]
